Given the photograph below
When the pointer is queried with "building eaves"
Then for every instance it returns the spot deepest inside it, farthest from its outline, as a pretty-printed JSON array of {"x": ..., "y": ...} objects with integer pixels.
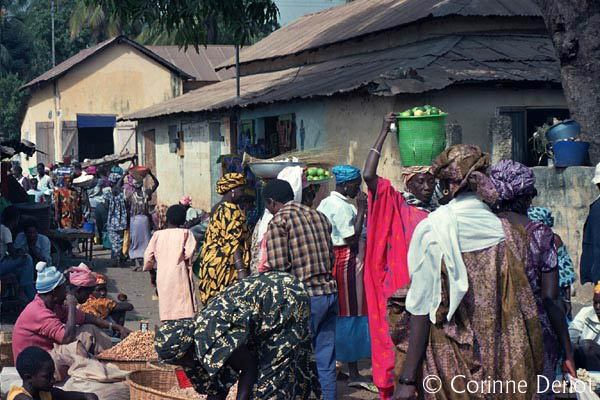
[
  {"x": 85, "y": 54},
  {"x": 415, "y": 68},
  {"x": 364, "y": 17}
]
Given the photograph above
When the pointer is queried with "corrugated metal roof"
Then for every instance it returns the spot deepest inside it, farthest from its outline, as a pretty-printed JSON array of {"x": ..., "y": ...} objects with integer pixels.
[
  {"x": 363, "y": 17},
  {"x": 415, "y": 68},
  {"x": 200, "y": 64},
  {"x": 84, "y": 54}
]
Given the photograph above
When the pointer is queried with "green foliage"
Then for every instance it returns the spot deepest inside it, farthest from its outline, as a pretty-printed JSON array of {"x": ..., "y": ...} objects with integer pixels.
[
  {"x": 193, "y": 22},
  {"x": 11, "y": 105}
]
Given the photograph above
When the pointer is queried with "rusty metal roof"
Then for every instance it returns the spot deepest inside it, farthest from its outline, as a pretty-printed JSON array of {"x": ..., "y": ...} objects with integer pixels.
[
  {"x": 84, "y": 54},
  {"x": 363, "y": 17},
  {"x": 199, "y": 63},
  {"x": 415, "y": 68}
]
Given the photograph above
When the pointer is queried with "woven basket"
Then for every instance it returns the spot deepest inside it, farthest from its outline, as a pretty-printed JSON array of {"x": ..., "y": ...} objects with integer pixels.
[
  {"x": 421, "y": 139},
  {"x": 132, "y": 365},
  {"x": 6, "y": 354},
  {"x": 152, "y": 385}
]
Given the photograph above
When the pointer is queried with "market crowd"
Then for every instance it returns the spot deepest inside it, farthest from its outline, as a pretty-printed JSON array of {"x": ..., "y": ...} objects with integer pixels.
[{"x": 455, "y": 274}]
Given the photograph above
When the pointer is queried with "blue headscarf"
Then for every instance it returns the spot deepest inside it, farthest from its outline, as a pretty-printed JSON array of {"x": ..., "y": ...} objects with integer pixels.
[
  {"x": 541, "y": 214},
  {"x": 345, "y": 173}
]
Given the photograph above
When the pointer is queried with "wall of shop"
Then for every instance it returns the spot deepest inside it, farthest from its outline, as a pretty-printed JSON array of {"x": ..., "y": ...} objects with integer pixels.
[{"x": 192, "y": 171}]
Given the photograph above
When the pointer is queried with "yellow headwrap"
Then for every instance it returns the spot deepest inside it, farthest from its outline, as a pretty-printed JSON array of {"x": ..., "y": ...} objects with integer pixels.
[
  {"x": 597, "y": 288},
  {"x": 408, "y": 172},
  {"x": 229, "y": 182}
]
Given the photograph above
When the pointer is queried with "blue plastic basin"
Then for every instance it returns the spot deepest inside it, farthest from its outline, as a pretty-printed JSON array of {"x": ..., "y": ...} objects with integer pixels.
[{"x": 569, "y": 153}]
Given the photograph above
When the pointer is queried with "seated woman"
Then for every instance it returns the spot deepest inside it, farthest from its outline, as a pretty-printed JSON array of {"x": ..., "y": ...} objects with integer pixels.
[
  {"x": 36, "y": 245},
  {"x": 585, "y": 334},
  {"x": 255, "y": 332},
  {"x": 100, "y": 306},
  {"x": 36, "y": 369},
  {"x": 52, "y": 318}
]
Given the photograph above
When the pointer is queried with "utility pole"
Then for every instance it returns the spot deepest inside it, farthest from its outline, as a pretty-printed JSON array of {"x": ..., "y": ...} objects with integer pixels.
[
  {"x": 237, "y": 71},
  {"x": 52, "y": 19}
]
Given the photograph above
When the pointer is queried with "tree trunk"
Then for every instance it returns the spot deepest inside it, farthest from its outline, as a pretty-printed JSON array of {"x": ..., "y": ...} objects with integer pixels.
[{"x": 574, "y": 26}]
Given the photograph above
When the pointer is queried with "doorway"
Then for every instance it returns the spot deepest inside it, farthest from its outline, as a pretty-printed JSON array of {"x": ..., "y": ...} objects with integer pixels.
[{"x": 95, "y": 135}]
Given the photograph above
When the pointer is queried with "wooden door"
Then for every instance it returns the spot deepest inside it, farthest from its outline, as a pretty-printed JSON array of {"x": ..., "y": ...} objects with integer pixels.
[
  {"x": 44, "y": 141},
  {"x": 70, "y": 140},
  {"x": 150, "y": 155},
  {"x": 150, "y": 150}
]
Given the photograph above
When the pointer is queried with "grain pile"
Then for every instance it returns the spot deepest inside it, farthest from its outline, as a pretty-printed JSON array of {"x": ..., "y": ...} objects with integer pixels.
[
  {"x": 191, "y": 394},
  {"x": 138, "y": 346}
]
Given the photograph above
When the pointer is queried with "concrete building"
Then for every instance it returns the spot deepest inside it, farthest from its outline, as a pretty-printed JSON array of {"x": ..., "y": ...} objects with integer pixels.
[
  {"x": 73, "y": 107},
  {"x": 327, "y": 79}
]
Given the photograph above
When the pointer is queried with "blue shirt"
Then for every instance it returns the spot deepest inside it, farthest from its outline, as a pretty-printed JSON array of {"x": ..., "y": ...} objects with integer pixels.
[{"x": 42, "y": 245}]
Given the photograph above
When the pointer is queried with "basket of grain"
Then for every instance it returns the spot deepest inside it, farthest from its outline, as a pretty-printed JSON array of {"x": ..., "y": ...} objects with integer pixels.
[
  {"x": 6, "y": 354},
  {"x": 159, "y": 384},
  {"x": 133, "y": 353},
  {"x": 160, "y": 366}
]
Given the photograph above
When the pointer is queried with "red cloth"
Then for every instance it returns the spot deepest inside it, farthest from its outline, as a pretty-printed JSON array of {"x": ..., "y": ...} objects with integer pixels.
[
  {"x": 349, "y": 277},
  {"x": 390, "y": 226},
  {"x": 39, "y": 326}
]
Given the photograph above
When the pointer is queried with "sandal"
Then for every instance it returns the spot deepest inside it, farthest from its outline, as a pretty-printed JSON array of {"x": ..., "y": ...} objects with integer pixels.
[{"x": 368, "y": 386}]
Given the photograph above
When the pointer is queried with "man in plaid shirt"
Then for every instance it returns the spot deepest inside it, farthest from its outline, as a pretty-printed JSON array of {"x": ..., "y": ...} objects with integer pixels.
[{"x": 299, "y": 242}]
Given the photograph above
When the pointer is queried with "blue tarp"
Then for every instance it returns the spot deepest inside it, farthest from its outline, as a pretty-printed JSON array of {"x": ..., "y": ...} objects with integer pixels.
[{"x": 96, "y": 121}]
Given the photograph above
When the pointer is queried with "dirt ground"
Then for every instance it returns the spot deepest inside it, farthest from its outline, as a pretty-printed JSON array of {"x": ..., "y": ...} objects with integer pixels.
[{"x": 136, "y": 285}]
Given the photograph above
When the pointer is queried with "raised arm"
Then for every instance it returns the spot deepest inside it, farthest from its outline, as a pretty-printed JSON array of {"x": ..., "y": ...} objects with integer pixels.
[
  {"x": 155, "y": 182},
  {"x": 370, "y": 170}
]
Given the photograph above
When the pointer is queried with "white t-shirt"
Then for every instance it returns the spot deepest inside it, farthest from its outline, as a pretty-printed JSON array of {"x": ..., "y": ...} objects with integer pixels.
[
  {"x": 5, "y": 240},
  {"x": 342, "y": 215},
  {"x": 45, "y": 183}
]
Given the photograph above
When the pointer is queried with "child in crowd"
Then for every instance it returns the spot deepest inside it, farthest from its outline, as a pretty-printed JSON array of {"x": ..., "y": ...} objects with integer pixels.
[
  {"x": 36, "y": 369},
  {"x": 100, "y": 306},
  {"x": 169, "y": 258}
]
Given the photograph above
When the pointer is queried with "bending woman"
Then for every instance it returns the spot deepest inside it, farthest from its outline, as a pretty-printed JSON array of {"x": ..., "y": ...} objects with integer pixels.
[{"x": 256, "y": 333}]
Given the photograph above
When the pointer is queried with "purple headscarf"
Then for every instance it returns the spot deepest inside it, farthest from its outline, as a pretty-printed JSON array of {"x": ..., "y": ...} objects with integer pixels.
[{"x": 513, "y": 180}]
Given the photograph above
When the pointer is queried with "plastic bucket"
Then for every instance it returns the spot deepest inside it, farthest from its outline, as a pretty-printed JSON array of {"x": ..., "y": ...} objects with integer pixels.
[
  {"x": 89, "y": 227},
  {"x": 569, "y": 154},
  {"x": 421, "y": 139}
]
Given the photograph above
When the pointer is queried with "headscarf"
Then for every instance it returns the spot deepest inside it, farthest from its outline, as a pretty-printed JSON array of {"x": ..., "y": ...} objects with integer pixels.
[
  {"x": 186, "y": 201},
  {"x": 345, "y": 173},
  {"x": 464, "y": 166},
  {"x": 408, "y": 173},
  {"x": 116, "y": 170},
  {"x": 100, "y": 279},
  {"x": 48, "y": 278},
  {"x": 229, "y": 182},
  {"x": 541, "y": 214},
  {"x": 512, "y": 180},
  {"x": 82, "y": 276},
  {"x": 92, "y": 170},
  {"x": 174, "y": 339},
  {"x": 597, "y": 288}
]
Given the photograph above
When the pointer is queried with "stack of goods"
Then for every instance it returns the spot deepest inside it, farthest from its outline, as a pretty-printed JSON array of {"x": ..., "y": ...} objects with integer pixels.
[
  {"x": 421, "y": 135},
  {"x": 316, "y": 175},
  {"x": 190, "y": 393},
  {"x": 136, "y": 348}
]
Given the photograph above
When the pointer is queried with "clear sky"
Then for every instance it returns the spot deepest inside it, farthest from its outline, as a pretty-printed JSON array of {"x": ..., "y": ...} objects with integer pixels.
[{"x": 290, "y": 10}]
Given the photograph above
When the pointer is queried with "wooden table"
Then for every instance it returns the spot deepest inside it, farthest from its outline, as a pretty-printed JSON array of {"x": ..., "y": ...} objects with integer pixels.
[{"x": 84, "y": 237}]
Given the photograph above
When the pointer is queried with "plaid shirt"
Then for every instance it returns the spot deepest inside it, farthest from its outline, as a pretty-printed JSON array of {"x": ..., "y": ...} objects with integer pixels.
[{"x": 299, "y": 241}]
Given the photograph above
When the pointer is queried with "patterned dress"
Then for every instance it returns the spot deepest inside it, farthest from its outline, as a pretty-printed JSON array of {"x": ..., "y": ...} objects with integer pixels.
[
  {"x": 116, "y": 223},
  {"x": 495, "y": 332},
  {"x": 270, "y": 314},
  {"x": 68, "y": 204},
  {"x": 541, "y": 258},
  {"x": 227, "y": 231}
]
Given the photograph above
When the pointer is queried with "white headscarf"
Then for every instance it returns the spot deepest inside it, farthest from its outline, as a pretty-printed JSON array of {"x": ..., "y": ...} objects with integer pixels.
[
  {"x": 293, "y": 176},
  {"x": 465, "y": 225}
]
